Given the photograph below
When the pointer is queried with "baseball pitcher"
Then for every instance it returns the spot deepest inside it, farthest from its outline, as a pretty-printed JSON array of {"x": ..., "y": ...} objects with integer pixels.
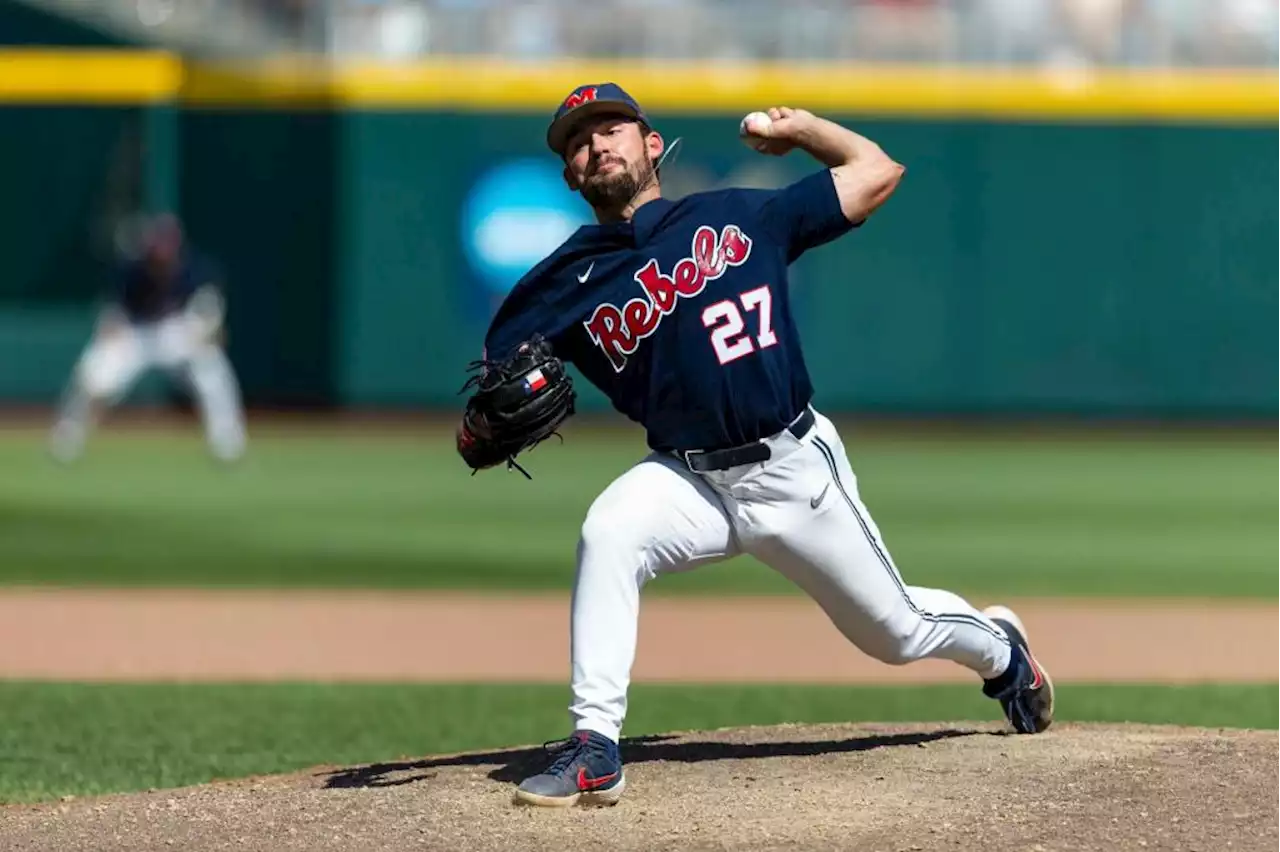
[
  {"x": 167, "y": 313},
  {"x": 679, "y": 312}
]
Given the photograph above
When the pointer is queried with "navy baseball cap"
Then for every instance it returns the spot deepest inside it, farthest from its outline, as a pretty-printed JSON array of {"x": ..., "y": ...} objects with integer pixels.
[{"x": 586, "y": 101}]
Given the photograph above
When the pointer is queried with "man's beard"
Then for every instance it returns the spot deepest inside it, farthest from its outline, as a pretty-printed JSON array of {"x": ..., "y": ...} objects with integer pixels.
[{"x": 615, "y": 191}]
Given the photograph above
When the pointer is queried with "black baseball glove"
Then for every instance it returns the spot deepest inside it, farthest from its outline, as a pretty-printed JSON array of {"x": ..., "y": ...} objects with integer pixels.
[{"x": 519, "y": 402}]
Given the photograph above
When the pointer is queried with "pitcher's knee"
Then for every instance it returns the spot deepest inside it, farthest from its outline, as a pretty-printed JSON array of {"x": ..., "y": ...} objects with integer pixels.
[{"x": 895, "y": 639}]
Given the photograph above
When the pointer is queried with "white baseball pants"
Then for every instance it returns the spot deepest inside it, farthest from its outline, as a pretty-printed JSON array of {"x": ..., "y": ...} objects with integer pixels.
[
  {"x": 799, "y": 512},
  {"x": 111, "y": 364}
]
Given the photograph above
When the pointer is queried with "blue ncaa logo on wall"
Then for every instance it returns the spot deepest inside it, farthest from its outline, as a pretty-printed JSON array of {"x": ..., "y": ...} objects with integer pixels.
[{"x": 515, "y": 215}]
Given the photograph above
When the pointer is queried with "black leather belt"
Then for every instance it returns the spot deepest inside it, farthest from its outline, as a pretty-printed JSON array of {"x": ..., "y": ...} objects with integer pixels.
[{"x": 701, "y": 461}]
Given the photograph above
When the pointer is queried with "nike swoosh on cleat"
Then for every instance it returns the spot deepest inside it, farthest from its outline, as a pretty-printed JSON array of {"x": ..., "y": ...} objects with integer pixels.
[
  {"x": 1035, "y": 668},
  {"x": 585, "y": 783}
]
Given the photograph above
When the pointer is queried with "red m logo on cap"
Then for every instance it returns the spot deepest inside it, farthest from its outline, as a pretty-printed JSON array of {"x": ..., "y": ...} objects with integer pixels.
[{"x": 580, "y": 97}]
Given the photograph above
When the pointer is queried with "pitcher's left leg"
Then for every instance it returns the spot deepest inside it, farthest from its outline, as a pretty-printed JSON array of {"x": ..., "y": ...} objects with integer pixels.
[
  {"x": 810, "y": 524},
  {"x": 655, "y": 518}
]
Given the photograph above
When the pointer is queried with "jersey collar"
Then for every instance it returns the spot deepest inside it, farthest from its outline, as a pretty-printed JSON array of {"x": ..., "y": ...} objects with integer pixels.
[
  {"x": 647, "y": 219},
  {"x": 635, "y": 232}
]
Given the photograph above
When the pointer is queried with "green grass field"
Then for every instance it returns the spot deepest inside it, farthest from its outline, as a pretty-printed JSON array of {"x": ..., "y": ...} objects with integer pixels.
[
  {"x": 1136, "y": 514},
  {"x": 71, "y": 739},
  {"x": 1081, "y": 515}
]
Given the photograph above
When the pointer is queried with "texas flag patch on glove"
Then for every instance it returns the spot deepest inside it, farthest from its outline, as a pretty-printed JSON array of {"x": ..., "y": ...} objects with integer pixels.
[{"x": 535, "y": 381}]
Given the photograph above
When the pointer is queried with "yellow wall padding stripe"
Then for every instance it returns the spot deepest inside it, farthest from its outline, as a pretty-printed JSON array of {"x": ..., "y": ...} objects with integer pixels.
[
  {"x": 107, "y": 77},
  {"x": 489, "y": 84},
  {"x": 900, "y": 91}
]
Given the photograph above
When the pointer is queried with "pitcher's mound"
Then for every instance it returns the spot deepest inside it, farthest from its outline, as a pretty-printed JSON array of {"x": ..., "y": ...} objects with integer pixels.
[{"x": 855, "y": 787}]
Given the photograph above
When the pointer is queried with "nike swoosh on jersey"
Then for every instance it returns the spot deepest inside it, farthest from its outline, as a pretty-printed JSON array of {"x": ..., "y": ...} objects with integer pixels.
[{"x": 582, "y": 279}]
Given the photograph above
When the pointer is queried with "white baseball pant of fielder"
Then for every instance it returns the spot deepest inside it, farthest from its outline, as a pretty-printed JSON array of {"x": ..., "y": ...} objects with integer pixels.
[
  {"x": 800, "y": 513},
  {"x": 183, "y": 345}
]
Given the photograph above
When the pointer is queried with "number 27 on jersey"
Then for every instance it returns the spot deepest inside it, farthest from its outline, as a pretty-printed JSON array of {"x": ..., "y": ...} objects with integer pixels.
[{"x": 729, "y": 337}]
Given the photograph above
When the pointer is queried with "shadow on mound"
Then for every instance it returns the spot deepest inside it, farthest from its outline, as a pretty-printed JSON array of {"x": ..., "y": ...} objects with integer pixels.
[{"x": 517, "y": 764}]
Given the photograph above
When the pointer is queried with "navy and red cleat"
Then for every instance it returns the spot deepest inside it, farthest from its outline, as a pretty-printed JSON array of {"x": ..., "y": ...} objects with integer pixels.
[
  {"x": 586, "y": 770},
  {"x": 1024, "y": 691}
]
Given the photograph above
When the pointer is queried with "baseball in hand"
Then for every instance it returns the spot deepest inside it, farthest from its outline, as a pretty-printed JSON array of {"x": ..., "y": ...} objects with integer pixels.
[{"x": 754, "y": 129}]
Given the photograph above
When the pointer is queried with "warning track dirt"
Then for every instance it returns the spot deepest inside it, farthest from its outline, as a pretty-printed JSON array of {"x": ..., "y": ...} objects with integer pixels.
[{"x": 411, "y": 636}]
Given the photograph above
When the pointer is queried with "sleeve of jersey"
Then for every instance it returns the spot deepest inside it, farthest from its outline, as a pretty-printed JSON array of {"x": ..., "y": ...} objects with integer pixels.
[
  {"x": 209, "y": 272},
  {"x": 522, "y": 314},
  {"x": 805, "y": 214},
  {"x": 504, "y": 335},
  {"x": 203, "y": 273}
]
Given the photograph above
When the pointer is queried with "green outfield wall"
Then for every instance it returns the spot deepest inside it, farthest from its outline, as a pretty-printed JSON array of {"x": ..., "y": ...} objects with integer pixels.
[
  {"x": 1107, "y": 249},
  {"x": 24, "y": 25}
]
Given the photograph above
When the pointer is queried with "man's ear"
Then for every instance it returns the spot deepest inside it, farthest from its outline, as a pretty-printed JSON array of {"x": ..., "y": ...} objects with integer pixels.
[{"x": 654, "y": 145}]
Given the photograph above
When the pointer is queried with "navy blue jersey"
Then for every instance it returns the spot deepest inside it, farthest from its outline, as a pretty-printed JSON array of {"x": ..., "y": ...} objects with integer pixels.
[
  {"x": 682, "y": 316},
  {"x": 145, "y": 297}
]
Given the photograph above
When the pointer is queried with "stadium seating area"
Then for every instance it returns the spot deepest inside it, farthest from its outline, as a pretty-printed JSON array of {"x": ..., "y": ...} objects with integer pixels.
[
  {"x": 1113, "y": 32},
  {"x": 1194, "y": 33}
]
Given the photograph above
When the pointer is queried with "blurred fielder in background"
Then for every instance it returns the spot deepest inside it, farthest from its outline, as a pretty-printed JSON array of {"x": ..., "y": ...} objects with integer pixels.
[{"x": 167, "y": 312}]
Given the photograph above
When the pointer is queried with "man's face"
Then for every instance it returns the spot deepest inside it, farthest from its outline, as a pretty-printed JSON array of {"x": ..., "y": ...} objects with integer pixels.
[
  {"x": 163, "y": 255},
  {"x": 163, "y": 248},
  {"x": 609, "y": 158}
]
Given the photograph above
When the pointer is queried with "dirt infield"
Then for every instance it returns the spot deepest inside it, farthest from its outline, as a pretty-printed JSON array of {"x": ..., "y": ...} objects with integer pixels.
[
  {"x": 413, "y": 636},
  {"x": 887, "y": 788}
]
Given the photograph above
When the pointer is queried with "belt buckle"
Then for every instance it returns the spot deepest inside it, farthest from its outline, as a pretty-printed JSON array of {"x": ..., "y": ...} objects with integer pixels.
[{"x": 686, "y": 456}]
